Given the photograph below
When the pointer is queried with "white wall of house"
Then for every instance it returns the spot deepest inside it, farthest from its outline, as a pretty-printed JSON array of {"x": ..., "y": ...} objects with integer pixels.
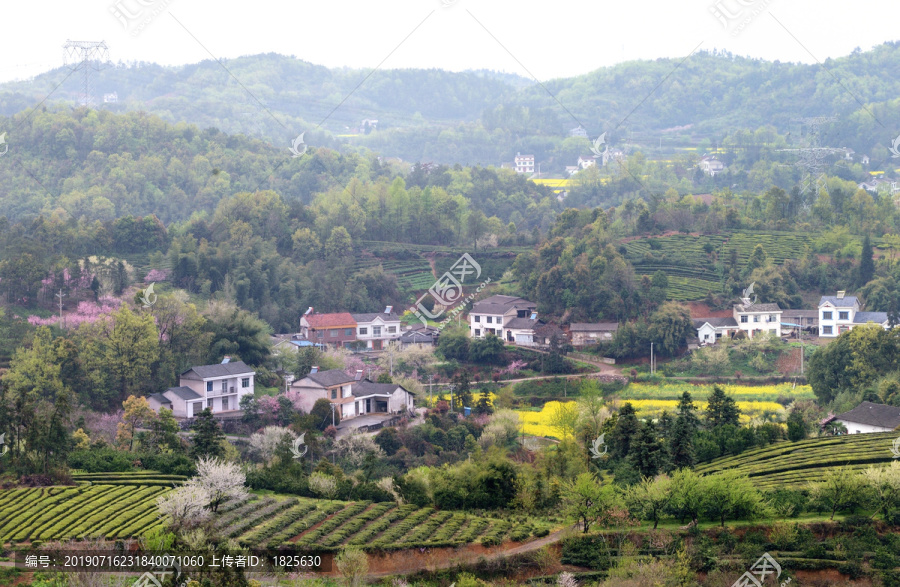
[
  {"x": 707, "y": 334},
  {"x": 833, "y": 321},
  {"x": 481, "y": 324},
  {"x": 377, "y": 329},
  {"x": 214, "y": 389},
  {"x": 401, "y": 400},
  {"x": 857, "y": 428},
  {"x": 759, "y": 322}
]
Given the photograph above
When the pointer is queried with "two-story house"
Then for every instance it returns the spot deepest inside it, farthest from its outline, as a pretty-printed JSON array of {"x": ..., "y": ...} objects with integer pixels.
[
  {"x": 841, "y": 313},
  {"x": 756, "y": 319},
  {"x": 351, "y": 396},
  {"x": 524, "y": 163},
  {"x": 336, "y": 329},
  {"x": 711, "y": 166},
  {"x": 490, "y": 316},
  {"x": 376, "y": 330},
  {"x": 217, "y": 387},
  {"x": 333, "y": 385}
]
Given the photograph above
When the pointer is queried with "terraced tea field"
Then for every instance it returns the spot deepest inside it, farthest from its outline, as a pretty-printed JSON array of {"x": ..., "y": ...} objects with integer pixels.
[
  {"x": 684, "y": 259},
  {"x": 123, "y": 505},
  {"x": 794, "y": 464},
  {"x": 328, "y": 525},
  {"x": 54, "y": 513}
]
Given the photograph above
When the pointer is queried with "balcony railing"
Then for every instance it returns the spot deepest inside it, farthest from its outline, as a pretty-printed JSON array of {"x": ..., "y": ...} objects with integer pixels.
[{"x": 217, "y": 392}]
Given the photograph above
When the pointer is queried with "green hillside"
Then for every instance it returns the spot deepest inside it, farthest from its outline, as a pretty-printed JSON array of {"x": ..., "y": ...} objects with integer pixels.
[
  {"x": 795, "y": 464},
  {"x": 123, "y": 505}
]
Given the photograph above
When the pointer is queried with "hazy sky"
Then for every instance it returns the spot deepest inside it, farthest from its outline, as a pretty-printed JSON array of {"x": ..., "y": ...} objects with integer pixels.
[{"x": 550, "y": 38}]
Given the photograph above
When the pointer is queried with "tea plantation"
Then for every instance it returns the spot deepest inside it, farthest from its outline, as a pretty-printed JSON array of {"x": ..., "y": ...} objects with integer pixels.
[
  {"x": 123, "y": 505},
  {"x": 794, "y": 464}
]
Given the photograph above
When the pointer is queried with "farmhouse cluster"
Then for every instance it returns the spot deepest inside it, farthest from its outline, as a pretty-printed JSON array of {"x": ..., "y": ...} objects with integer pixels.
[{"x": 835, "y": 315}]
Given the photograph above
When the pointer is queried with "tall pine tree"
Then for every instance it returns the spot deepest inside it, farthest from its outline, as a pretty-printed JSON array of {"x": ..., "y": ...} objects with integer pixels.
[
  {"x": 624, "y": 433},
  {"x": 681, "y": 439},
  {"x": 721, "y": 409},
  {"x": 866, "y": 263}
]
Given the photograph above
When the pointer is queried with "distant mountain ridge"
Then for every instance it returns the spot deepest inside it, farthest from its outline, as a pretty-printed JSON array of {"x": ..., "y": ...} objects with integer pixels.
[{"x": 483, "y": 117}]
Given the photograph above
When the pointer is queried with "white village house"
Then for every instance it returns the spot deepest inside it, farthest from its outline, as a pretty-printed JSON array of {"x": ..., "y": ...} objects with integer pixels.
[
  {"x": 751, "y": 318},
  {"x": 377, "y": 329},
  {"x": 494, "y": 314},
  {"x": 841, "y": 313},
  {"x": 351, "y": 396},
  {"x": 869, "y": 417},
  {"x": 217, "y": 387}
]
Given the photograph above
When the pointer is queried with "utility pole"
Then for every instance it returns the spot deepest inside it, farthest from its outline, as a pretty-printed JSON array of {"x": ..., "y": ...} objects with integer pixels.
[
  {"x": 391, "y": 355},
  {"x": 60, "y": 295},
  {"x": 651, "y": 358},
  {"x": 430, "y": 388},
  {"x": 452, "y": 388}
]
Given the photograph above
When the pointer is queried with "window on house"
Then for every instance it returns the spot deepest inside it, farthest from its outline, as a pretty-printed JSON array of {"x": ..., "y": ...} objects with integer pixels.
[
  {"x": 319, "y": 334},
  {"x": 477, "y": 319},
  {"x": 209, "y": 386},
  {"x": 363, "y": 331},
  {"x": 773, "y": 318},
  {"x": 224, "y": 403},
  {"x": 376, "y": 331},
  {"x": 333, "y": 333},
  {"x": 333, "y": 394},
  {"x": 827, "y": 330},
  {"x": 743, "y": 319},
  {"x": 489, "y": 318},
  {"x": 477, "y": 332},
  {"x": 843, "y": 315},
  {"x": 392, "y": 329},
  {"x": 245, "y": 382},
  {"x": 826, "y": 315},
  {"x": 224, "y": 386},
  {"x": 705, "y": 337},
  {"x": 756, "y": 318},
  {"x": 348, "y": 332}
]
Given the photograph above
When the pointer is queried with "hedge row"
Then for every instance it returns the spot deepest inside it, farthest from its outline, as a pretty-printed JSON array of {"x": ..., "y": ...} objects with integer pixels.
[
  {"x": 370, "y": 532},
  {"x": 238, "y": 527},
  {"x": 332, "y": 523},
  {"x": 269, "y": 528},
  {"x": 322, "y": 511},
  {"x": 354, "y": 525},
  {"x": 392, "y": 534}
]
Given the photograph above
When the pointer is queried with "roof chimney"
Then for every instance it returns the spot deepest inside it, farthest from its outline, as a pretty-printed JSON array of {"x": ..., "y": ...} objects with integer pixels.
[
  {"x": 308, "y": 311},
  {"x": 314, "y": 369},
  {"x": 389, "y": 309},
  {"x": 358, "y": 374},
  {"x": 226, "y": 359},
  {"x": 841, "y": 294}
]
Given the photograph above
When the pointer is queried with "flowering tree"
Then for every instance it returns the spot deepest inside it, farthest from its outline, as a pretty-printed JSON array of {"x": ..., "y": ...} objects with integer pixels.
[
  {"x": 185, "y": 507},
  {"x": 155, "y": 275},
  {"x": 266, "y": 441},
  {"x": 322, "y": 484},
  {"x": 220, "y": 481},
  {"x": 355, "y": 447}
]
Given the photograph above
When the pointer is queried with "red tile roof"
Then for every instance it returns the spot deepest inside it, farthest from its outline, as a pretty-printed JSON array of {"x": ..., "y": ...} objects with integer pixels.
[{"x": 337, "y": 319}]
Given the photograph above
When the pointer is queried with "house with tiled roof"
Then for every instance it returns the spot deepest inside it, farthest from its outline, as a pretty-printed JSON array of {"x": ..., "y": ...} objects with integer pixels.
[
  {"x": 750, "y": 317},
  {"x": 336, "y": 329},
  {"x": 755, "y": 318},
  {"x": 351, "y": 396},
  {"x": 376, "y": 329},
  {"x": 870, "y": 417},
  {"x": 217, "y": 387},
  {"x": 710, "y": 330},
  {"x": 841, "y": 313},
  {"x": 587, "y": 333},
  {"x": 494, "y": 314}
]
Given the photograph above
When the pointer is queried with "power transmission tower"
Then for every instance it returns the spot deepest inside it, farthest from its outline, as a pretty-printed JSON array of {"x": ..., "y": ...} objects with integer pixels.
[
  {"x": 812, "y": 155},
  {"x": 87, "y": 56}
]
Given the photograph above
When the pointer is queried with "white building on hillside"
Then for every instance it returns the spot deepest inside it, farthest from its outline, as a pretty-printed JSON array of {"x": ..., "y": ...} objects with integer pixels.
[{"x": 841, "y": 313}]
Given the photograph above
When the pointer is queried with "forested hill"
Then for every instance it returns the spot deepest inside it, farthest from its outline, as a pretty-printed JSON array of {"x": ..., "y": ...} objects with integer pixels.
[
  {"x": 94, "y": 165},
  {"x": 484, "y": 118}
]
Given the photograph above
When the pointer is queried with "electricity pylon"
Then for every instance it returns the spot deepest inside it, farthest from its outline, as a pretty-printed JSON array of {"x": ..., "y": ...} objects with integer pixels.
[{"x": 87, "y": 56}]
